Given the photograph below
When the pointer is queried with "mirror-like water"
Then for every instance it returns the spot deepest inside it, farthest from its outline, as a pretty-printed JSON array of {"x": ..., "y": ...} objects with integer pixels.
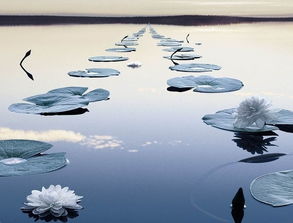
[{"x": 145, "y": 155}]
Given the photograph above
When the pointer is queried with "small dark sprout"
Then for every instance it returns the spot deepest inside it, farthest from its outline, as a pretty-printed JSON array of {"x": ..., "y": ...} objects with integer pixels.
[
  {"x": 123, "y": 38},
  {"x": 174, "y": 54},
  {"x": 28, "y": 53},
  {"x": 187, "y": 38}
]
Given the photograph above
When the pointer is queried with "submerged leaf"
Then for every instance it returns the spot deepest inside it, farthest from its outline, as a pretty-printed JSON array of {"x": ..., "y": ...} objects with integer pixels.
[
  {"x": 95, "y": 72},
  {"x": 274, "y": 189},
  {"x": 107, "y": 59},
  {"x": 206, "y": 84},
  {"x": 195, "y": 67}
]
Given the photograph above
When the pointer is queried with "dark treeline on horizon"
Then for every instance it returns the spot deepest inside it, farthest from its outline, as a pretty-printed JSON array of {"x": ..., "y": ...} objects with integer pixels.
[{"x": 187, "y": 20}]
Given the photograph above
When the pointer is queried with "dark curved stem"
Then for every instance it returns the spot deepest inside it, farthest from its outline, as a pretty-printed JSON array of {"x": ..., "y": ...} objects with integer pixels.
[
  {"x": 187, "y": 38},
  {"x": 171, "y": 57},
  {"x": 27, "y": 73},
  {"x": 123, "y": 38}
]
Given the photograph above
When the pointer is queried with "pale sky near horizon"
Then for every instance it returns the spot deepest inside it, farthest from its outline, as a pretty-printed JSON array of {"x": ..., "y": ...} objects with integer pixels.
[{"x": 149, "y": 7}]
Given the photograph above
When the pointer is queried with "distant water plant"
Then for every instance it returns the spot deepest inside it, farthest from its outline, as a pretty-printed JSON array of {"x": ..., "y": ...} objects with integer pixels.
[
  {"x": 94, "y": 73},
  {"x": 134, "y": 64}
]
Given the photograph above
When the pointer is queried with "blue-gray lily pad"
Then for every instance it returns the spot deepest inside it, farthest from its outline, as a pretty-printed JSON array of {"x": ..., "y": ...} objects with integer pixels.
[
  {"x": 169, "y": 44},
  {"x": 59, "y": 100},
  {"x": 183, "y": 49},
  {"x": 121, "y": 49},
  {"x": 206, "y": 84},
  {"x": 157, "y": 36},
  {"x": 107, "y": 58},
  {"x": 127, "y": 43},
  {"x": 195, "y": 67},
  {"x": 94, "y": 72},
  {"x": 274, "y": 189},
  {"x": 225, "y": 119},
  {"x": 171, "y": 40},
  {"x": 23, "y": 157},
  {"x": 183, "y": 57}
]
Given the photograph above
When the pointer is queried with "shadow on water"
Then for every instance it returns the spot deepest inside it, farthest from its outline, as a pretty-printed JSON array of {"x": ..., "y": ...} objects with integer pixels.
[
  {"x": 285, "y": 128},
  {"x": 48, "y": 217},
  {"x": 238, "y": 205},
  {"x": 254, "y": 143},
  {"x": 78, "y": 111},
  {"x": 175, "y": 89}
]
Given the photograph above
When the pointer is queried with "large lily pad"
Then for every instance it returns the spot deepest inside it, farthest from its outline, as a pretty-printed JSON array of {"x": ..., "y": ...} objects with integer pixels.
[
  {"x": 274, "y": 189},
  {"x": 107, "y": 59},
  {"x": 94, "y": 72},
  {"x": 183, "y": 57},
  {"x": 59, "y": 101},
  {"x": 121, "y": 49},
  {"x": 23, "y": 157},
  {"x": 225, "y": 119},
  {"x": 206, "y": 84},
  {"x": 195, "y": 67},
  {"x": 183, "y": 49}
]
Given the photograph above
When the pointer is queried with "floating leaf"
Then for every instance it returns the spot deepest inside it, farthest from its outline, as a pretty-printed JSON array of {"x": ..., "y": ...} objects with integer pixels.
[
  {"x": 22, "y": 157},
  {"x": 263, "y": 158},
  {"x": 183, "y": 57},
  {"x": 169, "y": 44},
  {"x": 274, "y": 189},
  {"x": 225, "y": 120},
  {"x": 94, "y": 72},
  {"x": 195, "y": 67},
  {"x": 206, "y": 84},
  {"x": 127, "y": 43},
  {"x": 282, "y": 117},
  {"x": 171, "y": 40},
  {"x": 59, "y": 101},
  {"x": 157, "y": 36},
  {"x": 183, "y": 49},
  {"x": 107, "y": 58},
  {"x": 121, "y": 49}
]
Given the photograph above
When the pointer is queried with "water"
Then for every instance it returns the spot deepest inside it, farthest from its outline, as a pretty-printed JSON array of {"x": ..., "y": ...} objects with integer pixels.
[{"x": 145, "y": 155}]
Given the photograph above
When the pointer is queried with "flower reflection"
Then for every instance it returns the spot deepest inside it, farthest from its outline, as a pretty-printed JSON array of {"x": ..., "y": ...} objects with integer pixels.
[{"x": 254, "y": 143}]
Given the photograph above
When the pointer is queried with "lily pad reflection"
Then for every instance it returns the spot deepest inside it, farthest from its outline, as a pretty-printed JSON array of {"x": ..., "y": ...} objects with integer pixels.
[
  {"x": 107, "y": 59},
  {"x": 195, "y": 67},
  {"x": 59, "y": 100},
  {"x": 23, "y": 157},
  {"x": 94, "y": 72},
  {"x": 206, "y": 84}
]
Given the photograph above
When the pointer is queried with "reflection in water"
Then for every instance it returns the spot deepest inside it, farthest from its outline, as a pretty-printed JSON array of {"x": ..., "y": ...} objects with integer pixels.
[
  {"x": 78, "y": 111},
  {"x": 254, "y": 143},
  {"x": 175, "y": 89},
  {"x": 238, "y": 205},
  {"x": 286, "y": 128},
  {"x": 48, "y": 218},
  {"x": 263, "y": 158}
]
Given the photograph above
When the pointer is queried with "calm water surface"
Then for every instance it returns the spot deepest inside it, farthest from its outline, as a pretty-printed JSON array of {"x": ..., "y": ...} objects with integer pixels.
[{"x": 145, "y": 155}]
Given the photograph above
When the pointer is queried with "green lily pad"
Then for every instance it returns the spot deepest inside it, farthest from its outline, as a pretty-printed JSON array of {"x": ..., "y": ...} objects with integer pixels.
[
  {"x": 107, "y": 59},
  {"x": 94, "y": 72},
  {"x": 274, "y": 189},
  {"x": 206, "y": 84},
  {"x": 195, "y": 67}
]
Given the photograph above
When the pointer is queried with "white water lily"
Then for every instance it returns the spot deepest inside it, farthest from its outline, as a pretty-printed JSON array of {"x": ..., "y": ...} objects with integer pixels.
[
  {"x": 253, "y": 111},
  {"x": 55, "y": 201}
]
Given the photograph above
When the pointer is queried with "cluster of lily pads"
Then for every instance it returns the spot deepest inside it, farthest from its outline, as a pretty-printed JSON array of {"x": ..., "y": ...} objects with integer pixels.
[
  {"x": 204, "y": 84},
  {"x": 125, "y": 45}
]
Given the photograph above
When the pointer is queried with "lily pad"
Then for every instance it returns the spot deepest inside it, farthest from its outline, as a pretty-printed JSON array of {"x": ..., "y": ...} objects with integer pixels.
[
  {"x": 94, "y": 72},
  {"x": 195, "y": 67},
  {"x": 169, "y": 44},
  {"x": 183, "y": 49},
  {"x": 127, "y": 43},
  {"x": 121, "y": 49},
  {"x": 206, "y": 84},
  {"x": 157, "y": 36},
  {"x": 172, "y": 40},
  {"x": 107, "y": 59},
  {"x": 274, "y": 189},
  {"x": 22, "y": 157},
  {"x": 225, "y": 119},
  {"x": 59, "y": 101},
  {"x": 183, "y": 57}
]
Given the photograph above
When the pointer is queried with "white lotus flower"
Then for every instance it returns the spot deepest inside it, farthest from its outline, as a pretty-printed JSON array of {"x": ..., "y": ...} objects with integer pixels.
[
  {"x": 253, "y": 111},
  {"x": 134, "y": 64},
  {"x": 55, "y": 200}
]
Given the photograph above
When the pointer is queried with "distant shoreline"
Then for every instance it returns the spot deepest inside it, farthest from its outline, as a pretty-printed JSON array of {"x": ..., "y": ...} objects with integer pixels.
[{"x": 184, "y": 20}]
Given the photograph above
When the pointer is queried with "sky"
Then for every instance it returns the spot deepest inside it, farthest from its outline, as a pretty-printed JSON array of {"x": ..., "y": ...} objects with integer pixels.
[{"x": 148, "y": 7}]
